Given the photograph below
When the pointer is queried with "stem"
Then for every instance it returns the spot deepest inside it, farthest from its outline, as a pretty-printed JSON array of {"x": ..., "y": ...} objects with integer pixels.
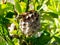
[
  {"x": 34, "y": 5},
  {"x": 27, "y": 5}
]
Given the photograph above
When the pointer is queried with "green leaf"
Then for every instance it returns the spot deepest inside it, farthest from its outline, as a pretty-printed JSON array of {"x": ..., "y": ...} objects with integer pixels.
[
  {"x": 54, "y": 15},
  {"x": 10, "y": 6},
  {"x": 42, "y": 40},
  {"x": 2, "y": 41},
  {"x": 9, "y": 14},
  {"x": 57, "y": 39},
  {"x": 24, "y": 1},
  {"x": 18, "y": 7},
  {"x": 5, "y": 21},
  {"x": 1, "y": 10},
  {"x": 23, "y": 6},
  {"x": 51, "y": 14},
  {"x": 16, "y": 0}
]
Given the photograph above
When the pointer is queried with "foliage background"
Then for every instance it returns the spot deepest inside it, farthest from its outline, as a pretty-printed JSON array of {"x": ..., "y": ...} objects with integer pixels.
[{"x": 49, "y": 11}]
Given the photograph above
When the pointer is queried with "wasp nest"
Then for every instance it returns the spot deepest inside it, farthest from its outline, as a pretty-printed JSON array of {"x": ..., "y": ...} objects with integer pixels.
[{"x": 29, "y": 22}]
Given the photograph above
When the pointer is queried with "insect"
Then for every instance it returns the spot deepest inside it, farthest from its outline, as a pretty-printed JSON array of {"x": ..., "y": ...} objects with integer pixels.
[{"x": 29, "y": 22}]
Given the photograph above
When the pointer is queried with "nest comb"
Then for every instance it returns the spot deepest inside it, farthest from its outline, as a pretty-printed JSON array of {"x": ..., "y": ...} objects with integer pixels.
[{"x": 29, "y": 22}]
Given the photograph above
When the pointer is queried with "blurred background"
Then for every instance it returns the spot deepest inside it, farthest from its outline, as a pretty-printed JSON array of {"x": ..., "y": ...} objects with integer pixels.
[{"x": 49, "y": 11}]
